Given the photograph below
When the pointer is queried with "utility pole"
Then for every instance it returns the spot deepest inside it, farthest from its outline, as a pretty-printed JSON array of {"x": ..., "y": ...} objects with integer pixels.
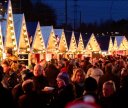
[{"x": 66, "y": 15}]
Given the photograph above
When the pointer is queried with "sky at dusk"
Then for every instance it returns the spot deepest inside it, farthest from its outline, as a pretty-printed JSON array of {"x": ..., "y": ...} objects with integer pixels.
[{"x": 91, "y": 10}]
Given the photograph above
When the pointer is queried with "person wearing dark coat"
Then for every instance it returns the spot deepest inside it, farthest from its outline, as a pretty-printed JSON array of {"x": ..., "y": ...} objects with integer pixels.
[
  {"x": 78, "y": 79},
  {"x": 122, "y": 94},
  {"x": 108, "y": 96},
  {"x": 30, "y": 98},
  {"x": 39, "y": 79},
  {"x": 51, "y": 73},
  {"x": 64, "y": 92},
  {"x": 17, "y": 89},
  {"x": 108, "y": 75},
  {"x": 90, "y": 91},
  {"x": 10, "y": 78},
  {"x": 6, "y": 99}
]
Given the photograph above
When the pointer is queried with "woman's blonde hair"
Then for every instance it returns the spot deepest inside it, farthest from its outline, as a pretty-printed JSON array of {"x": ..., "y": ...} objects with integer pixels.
[
  {"x": 75, "y": 71},
  {"x": 110, "y": 83}
]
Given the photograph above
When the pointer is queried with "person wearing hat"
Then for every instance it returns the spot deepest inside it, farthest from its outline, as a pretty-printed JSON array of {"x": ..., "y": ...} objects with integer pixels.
[
  {"x": 10, "y": 55},
  {"x": 64, "y": 89},
  {"x": 13, "y": 60}
]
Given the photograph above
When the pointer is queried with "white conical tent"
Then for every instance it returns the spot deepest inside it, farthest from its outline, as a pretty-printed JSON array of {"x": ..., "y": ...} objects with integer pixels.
[
  {"x": 110, "y": 47},
  {"x": 73, "y": 45},
  {"x": 38, "y": 44},
  {"x": 124, "y": 44},
  {"x": 63, "y": 44},
  {"x": 24, "y": 45},
  {"x": 60, "y": 35},
  {"x": 117, "y": 42},
  {"x": 92, "y": 45},
  {"x": 50, "y": 39},
  {"x": 115, "y": 47},
  {"x": 10, "y": 38},
  {"x": 80, "y": 47}
]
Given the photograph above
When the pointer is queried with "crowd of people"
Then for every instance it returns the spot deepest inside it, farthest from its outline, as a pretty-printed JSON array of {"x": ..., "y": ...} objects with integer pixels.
[{"x": 98, "y": 83}]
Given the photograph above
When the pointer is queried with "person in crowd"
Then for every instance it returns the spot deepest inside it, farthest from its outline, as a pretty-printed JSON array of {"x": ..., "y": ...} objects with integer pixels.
[
  {"x": 108, "y": 96},
  {"x": 6, "y": 99},
  {"x": 108, "y": 75},
  {"x": 119, "y": 65},
  {"x": 40, "y": 80},
  {"x": 13, "y": 60},
  {"x": 91, "y": 89},
  {"x": 51, "y": 73},
  {"x": 124, "y": 73},
  {"x": 85, "y": 64},
  {"x": 10, "y": 78},
  {"x": 64, "y": 92},
  {"x": 61, "y": 66},
  {"x": 43, "y": 63},
  {"x": 30, "y": 98},
  {"x": 78, "y": 79},
  {"x": 122, "y": 93},
  {"x": 95, "y": 72},
  {"x": 17, "y": 89},
  {"x": 90, "y": 92},
  {"x": 31, "y": 68}
]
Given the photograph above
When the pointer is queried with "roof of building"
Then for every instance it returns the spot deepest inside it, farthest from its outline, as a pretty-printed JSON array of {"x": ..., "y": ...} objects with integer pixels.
[{"x": 68, "y": 35}]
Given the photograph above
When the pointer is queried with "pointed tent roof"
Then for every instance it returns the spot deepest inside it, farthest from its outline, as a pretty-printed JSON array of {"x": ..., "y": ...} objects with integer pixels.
[
  {"x": 103, "y": 42},
  {"x": 46, "y": 30},
  {"x": 35, "y": 36},
  {"x": 68, "y": 35},
  {"x": 73, "y": 44},
  {"x": 10, "y": 38},
  {"x": 60, "y": 33},
  {"x": 80, "y": 46},
  {"x": 111, "y": 45},
  {"x": 93, "y": 42}
]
